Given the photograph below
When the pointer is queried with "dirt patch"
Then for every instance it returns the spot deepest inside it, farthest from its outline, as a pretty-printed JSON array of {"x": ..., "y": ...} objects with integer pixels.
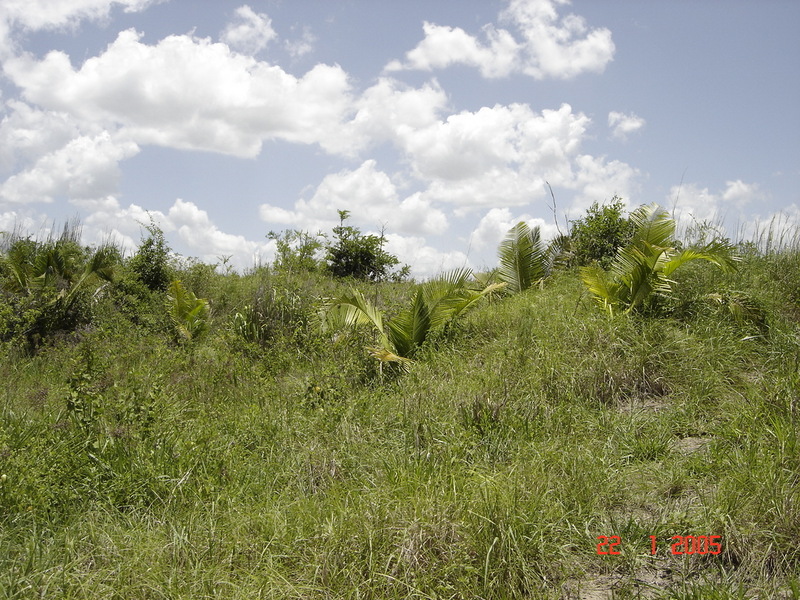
[{"x": 690, "y": 445}]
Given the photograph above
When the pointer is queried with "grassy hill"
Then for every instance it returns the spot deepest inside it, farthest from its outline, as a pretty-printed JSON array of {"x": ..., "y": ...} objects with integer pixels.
[{"x": 134, "y": 464}]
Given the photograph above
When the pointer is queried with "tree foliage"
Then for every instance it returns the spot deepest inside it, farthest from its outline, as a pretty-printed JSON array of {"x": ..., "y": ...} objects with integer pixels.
[
  {"x": 642, "y": 268},
  {"x": 600, "y": 233},
  {"x": 150, "y": 264},
  {"x": 297, "y": 251},
  {"x": 352, "y": 254}
]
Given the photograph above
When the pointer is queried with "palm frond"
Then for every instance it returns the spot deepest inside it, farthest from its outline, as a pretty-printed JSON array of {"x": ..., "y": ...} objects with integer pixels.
[
  {"x": 189, "y": 314},
  {"x": 652, "y": 225},
  {"x": 522, "y": 258},
  {"x": 409, "y": 329}
]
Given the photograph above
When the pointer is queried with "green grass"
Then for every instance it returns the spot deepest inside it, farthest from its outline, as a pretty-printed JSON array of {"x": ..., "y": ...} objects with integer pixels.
[{"x": 136, "y": 467}]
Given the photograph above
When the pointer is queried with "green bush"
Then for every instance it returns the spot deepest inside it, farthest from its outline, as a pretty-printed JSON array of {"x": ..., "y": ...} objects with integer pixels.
[
  {"x": 353, "y": 254},
  {"x": 600, "y": 233},
  {"x": 151, "y": 261}
]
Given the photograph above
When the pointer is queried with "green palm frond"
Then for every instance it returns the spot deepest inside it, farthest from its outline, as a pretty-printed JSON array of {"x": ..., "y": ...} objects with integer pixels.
[
  {"x": 522, "y": 258},
  {"x": 189, "y": 314},
  {"x": 643, "y": 267},
  {"x": 433, "y": 306},
  {"x": 350, "y": 310},
  {"x": 652, "y": 225},
  {"x": 409, "y": 329}
]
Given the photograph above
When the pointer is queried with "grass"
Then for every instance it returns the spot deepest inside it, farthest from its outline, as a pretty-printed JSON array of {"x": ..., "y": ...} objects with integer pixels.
[{"x": 136, "y": 467}]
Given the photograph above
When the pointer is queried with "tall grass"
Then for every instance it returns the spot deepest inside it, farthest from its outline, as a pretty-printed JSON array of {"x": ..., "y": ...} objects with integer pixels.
[{"x": 286, "y": 467}]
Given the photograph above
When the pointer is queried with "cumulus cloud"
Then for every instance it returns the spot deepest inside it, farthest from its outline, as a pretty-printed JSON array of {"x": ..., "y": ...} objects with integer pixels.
[
  {"x": 372, "y": 199},
  {"x": 495, "y": 224},
  {"x": 85, "y": 168},
  {"x": 550, "y": 47},
  {"x": 301, "y": 46},
  {"x": 693, "y": 205},
  {"x": 190, "y": 93},
  {"x": 249, "y": 32},
  {"x": 621, "y": 124},
  {"x": 27, "y": 133},
  {"x": 36, "y": 15},
  {"x": 425, "y": 260},
  {"x": 191, "y": 224},
  {"x": 391, "y": 111},
  {"x": 503, "y": 155}
]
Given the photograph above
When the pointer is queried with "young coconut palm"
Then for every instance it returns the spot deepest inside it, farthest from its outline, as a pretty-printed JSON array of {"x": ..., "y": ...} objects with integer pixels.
[
  {"x": 642, "y": 268},
  {"x": 189, "y": 314},
  {"x": 523, "y": 258},
  {"x": 434, "y": 305}
]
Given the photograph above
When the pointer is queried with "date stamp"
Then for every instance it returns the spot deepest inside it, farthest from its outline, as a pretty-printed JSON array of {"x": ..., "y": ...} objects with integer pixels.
[{"x": 610, "y": 545}]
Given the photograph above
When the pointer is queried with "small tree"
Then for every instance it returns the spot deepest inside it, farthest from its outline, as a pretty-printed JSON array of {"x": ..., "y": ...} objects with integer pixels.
[
  {"x": 297, "y": 250},
  {"x": 151, "y": 261},
  {"x": 360, "y": 256},
  {"x": 600, "y": 233}
]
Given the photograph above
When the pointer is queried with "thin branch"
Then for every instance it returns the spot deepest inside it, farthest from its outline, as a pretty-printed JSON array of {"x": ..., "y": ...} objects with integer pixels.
[{"x": 553, "y": 208}]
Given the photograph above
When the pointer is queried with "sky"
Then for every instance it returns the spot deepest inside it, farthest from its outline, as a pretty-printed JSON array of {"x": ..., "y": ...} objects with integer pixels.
[{"x": 440, "y": 122}]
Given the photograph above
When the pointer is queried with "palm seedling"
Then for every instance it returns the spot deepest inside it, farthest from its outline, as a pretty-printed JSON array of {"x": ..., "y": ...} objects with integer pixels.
[
  {"x": 642, "y": 268},
  {"x": 189, "y": 314},
  {"x": 434, "y": 305},
  {"x": 523, "y": 258}
]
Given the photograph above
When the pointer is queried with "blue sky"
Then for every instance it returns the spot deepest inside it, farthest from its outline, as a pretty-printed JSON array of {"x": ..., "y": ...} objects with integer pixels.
[{"x": 439, "y": 120}]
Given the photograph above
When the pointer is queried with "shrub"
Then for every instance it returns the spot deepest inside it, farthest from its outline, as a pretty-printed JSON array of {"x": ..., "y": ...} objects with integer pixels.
[
  {"x": 151, "y": 261},
  {"x": 600, "y": 233},
  {"x": 297, "y": 251},
  {"x": 360, "y": 256}
]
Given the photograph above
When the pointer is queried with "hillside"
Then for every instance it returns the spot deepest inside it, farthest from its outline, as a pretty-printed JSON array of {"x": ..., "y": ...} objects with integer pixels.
[{"x": 285, "y": 463}]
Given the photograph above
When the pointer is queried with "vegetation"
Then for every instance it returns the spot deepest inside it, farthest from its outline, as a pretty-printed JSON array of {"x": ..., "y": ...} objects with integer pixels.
[
  {"x": 640, "y": 271},
  {"x": 523, "y": 259},
  {"x": 270, "y": 457},
  {"x": 434, "y": 306},
  {"x": 151, "y": 262},
  {"x": 353, "y": 254},
  {"x": 600, "y": 234}
]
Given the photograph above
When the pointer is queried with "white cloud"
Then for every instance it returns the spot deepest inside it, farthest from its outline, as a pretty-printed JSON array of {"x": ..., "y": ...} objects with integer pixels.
[
  {"x": 190, "y": 93},
  {"x": 391, "y": 111},
  {"x": 693, "y": 205},
  {"x": 372, "y": 200},
  {"x": 621, "y": 124},
  {"x": 303, "y": 45},
  {"x": 54, "y": 14},
  {"x": 599, "y": 180},
  {"x": 495, "y": 224},
  {"x": 85, "y": 168},
  {"x": 444, "y": 46},
  {"x": 27, "y": 133},
  {"x": 425, "y": 260},
  {"x": 504, "y": 155},
  {"x": 192, "y": 226},
  {"x": 550, "y": 47},
  {"x": 250, "y": 32},
  {"x": 738, "y": 193}
]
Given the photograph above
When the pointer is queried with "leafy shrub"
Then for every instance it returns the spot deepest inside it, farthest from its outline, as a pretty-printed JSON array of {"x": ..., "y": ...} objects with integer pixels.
[
  {"x": 360, "y": 256},
  {"x": 46, "y": 286},
  {"x": 297, "y": 251},
  {"x": 600, "y": 233},
  {"x": 151, "y": 261},
  {"x": 641, "y": 270}
]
